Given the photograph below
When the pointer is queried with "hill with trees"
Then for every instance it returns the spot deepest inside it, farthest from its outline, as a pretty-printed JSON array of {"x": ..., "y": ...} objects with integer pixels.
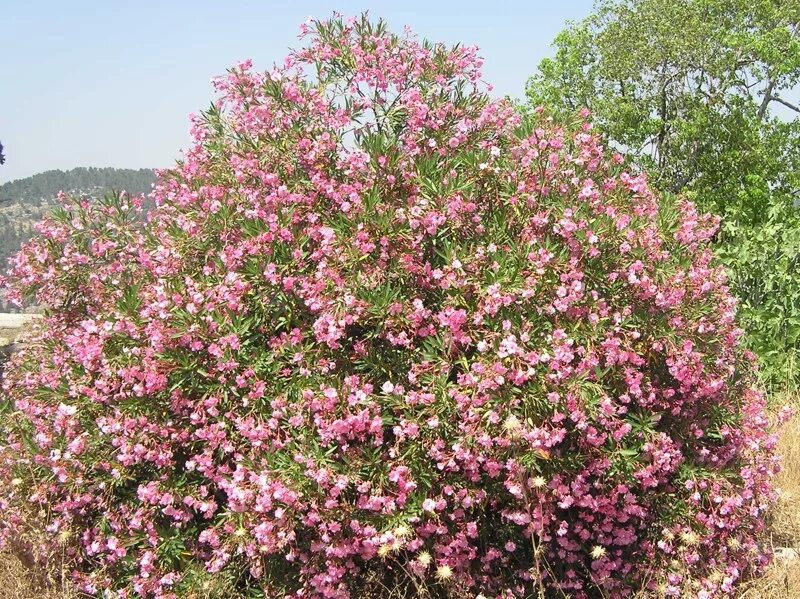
[{"x": 45, "y": 186}]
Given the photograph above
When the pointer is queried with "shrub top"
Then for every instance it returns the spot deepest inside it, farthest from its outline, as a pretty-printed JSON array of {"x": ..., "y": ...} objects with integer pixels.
[{"x": 379, "y": 331}]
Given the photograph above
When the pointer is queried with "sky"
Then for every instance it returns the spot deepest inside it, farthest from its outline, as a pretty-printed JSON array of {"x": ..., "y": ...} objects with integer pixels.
[{"x": 111, "y": 83}]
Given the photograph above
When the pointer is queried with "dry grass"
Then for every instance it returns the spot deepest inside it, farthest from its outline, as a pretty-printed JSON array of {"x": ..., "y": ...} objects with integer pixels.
[
  {"x": 786, "y": 519},
  {"x": 781, "y": 581},
  {"x": 19, "y": 581}
]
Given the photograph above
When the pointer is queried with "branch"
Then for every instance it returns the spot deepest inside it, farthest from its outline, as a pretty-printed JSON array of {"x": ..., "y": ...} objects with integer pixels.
[
  {"x": 762, "y": 110},
  {"x": 678, "y": 185},
  {"x": 785, "y": 103}
]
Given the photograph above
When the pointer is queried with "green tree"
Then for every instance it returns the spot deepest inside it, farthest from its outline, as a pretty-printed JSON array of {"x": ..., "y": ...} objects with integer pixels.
[{"x": 702, "y": 95}]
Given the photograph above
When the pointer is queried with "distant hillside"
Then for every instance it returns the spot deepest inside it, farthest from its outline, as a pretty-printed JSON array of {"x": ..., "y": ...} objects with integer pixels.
[
  {"x": 25, "y": 201},
  {"x": 44, "y": 186}
]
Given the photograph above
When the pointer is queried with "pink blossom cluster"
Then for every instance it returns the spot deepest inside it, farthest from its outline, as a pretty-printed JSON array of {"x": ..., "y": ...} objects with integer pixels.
[{"x": 379, "y": 326}]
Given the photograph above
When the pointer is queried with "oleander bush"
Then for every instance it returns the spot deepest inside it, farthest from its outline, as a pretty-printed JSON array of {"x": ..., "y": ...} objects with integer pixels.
[{"x": 380, "y": 334}]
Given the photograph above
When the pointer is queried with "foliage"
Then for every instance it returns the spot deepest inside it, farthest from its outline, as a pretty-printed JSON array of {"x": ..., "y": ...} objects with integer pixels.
[
  {"x": 700, "y": 95},
  {"x": 378, "y": 329}
]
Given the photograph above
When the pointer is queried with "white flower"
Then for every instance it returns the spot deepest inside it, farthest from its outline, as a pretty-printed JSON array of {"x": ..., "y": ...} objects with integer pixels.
[
  {"x": 733, "y": 543},
  {"x": 388, "y": 387},
  {"x": 402, "y": 531},
  {"x": 690, "y": 537},
  {"x": 598, "y": 552},
  {"x": 424, "y": 558},
  {"x": 444, "y": 572},
  {"x": 512, "y": 423},
  {"x": 67, "y": 410}
]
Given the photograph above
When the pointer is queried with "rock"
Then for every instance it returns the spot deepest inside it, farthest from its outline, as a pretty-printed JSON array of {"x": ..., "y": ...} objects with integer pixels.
[
  {"x": 15, "y": 321},
  {"x": 785, "y": 554}
]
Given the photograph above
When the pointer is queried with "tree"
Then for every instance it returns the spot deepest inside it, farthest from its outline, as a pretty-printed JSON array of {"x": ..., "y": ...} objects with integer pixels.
[
  {"x": 701, "y": 94},
  {"x": 2, "y": 156}
]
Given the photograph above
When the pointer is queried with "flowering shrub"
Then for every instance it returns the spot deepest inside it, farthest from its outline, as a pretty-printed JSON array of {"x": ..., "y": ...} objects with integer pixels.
[{"x": 378, "y": 329}]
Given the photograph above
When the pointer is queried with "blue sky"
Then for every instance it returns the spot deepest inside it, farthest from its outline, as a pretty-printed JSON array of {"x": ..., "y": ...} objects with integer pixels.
[{"x": 112, "y": 83}]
